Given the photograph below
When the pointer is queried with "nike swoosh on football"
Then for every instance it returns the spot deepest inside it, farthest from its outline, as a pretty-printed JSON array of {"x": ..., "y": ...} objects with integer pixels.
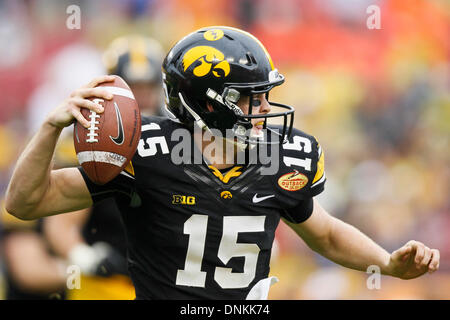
[
  {"x": 256, "y": 199},
  {"x": 119, "y": 139}
]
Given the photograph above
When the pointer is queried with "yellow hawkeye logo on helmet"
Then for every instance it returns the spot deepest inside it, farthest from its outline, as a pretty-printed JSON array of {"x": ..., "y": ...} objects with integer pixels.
[{"x": 211, "y": 60}]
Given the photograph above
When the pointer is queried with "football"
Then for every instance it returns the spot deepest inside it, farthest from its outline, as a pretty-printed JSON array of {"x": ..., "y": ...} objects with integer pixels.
[{"x": 106, "y": 147}]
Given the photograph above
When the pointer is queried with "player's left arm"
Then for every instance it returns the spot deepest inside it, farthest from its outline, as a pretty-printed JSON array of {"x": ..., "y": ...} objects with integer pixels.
[{"x": 346, "y": 245}]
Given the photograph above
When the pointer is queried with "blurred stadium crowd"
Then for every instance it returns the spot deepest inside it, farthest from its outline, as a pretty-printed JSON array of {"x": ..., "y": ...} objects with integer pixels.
[{"x": 377, "y": 100}]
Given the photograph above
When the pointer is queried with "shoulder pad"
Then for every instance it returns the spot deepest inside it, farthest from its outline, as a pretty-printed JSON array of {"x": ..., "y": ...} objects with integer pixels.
[
  {"x": 301, "y": 173},
  {"x": 156, "y": 137}
]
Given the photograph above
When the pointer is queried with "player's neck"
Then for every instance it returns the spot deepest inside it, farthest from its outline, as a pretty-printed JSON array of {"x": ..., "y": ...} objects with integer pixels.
[{"x": 215, "y": 151}]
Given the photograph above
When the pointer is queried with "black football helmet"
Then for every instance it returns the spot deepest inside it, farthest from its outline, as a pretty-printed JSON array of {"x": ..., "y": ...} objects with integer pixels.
[
  {"x": 135, "y": 58},
  {"x": 217, "y": 65}
]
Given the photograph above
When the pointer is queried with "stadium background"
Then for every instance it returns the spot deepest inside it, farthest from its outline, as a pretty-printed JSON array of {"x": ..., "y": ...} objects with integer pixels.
[{"x": 377, "y": 100}]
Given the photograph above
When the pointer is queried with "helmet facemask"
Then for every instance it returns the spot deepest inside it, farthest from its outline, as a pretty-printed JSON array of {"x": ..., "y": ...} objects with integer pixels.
[
  {"x": 237, "y": 127},
  {"x": 242, "y": 128}
]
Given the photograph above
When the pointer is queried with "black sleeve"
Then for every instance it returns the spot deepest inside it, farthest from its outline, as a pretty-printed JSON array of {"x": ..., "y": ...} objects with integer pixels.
[
  {"x": 301, "y": 212},
  {"x": 120, "y": 185}
]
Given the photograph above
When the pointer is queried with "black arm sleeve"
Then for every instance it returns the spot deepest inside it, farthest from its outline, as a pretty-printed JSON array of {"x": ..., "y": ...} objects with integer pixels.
[
  {"x": 301, "y": 212},
  {"x": 120, "y": 185}
]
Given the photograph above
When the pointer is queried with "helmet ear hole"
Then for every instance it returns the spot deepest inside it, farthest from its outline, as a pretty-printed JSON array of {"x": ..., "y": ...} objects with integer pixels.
[{"x": 250, "y": 59}]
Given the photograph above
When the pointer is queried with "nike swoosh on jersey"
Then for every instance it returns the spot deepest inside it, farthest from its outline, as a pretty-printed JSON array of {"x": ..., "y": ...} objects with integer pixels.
[
  {"x": 119, "y": 139},
  {"x": 256, "y": 199}
]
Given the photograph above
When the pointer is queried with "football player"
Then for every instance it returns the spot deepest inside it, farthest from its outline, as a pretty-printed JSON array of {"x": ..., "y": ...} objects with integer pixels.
[
  {"x": 32, "y": 270},
  {"x": 93, "y": 238},
  {"x": 137, "y": 59},
  {"x": 205, "y": 230}
]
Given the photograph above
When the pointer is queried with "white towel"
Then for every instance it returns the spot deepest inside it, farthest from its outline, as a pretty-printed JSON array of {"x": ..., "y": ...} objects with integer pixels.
[{"x": 260, "y": 290}]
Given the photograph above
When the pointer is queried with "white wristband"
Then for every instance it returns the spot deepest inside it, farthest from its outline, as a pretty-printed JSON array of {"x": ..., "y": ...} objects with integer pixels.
[{"x": 85, "y": 257}]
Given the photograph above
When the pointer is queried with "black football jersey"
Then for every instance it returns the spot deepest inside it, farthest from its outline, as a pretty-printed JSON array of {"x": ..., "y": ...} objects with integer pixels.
[
  {"x": 196, "y": 232},
  {"x": 104, "y": 224}
]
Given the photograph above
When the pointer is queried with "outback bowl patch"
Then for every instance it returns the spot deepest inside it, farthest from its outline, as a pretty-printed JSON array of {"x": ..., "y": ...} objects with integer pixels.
[{"x": 292, "y": 181}]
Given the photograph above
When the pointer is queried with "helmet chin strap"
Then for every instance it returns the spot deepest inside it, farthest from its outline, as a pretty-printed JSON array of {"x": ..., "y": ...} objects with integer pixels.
[
  {"x": 194, "y": 114},
  {"x": 199, "y": 122},
  {"x": 229, "y": 98},
  {"x": 239, "y": 130},
  {"x": 170, "y": 114}
]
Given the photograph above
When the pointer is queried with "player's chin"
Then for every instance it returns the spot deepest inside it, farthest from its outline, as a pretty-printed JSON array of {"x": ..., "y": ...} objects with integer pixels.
[{"x": 257, "y": 130}]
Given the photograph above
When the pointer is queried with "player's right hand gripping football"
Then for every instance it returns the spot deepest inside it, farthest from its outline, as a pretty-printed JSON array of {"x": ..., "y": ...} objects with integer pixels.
[{"x": 69, "y": 110}]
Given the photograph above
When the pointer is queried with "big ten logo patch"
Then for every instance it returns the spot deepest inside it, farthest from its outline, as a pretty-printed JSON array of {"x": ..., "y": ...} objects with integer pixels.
[{"x": 179, "y": 199}]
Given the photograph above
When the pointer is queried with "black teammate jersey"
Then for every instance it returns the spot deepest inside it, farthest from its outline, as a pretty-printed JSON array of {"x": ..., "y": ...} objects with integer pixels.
[
  {"x": 105, "y": 225},
  {"x": 195, "y": 232}
]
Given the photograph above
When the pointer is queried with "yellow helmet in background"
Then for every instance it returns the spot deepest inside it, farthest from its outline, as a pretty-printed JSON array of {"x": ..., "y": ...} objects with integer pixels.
[{"x": 135, "y": 58}]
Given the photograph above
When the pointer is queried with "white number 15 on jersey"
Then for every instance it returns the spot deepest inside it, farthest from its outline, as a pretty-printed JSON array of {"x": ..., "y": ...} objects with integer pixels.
[{"x": 196, "y": 227}]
